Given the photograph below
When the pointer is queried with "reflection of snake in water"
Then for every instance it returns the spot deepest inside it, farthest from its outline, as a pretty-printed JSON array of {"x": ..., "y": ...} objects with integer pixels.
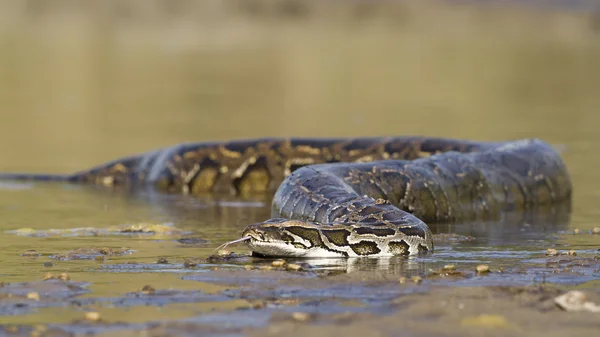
[{"x": 372, "y": 203}]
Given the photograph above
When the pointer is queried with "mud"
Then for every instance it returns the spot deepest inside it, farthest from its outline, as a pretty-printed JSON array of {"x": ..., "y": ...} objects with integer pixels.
[{"x": 258, "y": 297}]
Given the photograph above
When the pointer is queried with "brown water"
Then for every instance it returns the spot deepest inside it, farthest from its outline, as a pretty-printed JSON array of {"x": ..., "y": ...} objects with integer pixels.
[{"x": 83, "y": 83}]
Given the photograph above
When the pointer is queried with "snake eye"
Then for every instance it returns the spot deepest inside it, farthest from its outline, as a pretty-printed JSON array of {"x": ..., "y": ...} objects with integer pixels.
[{"x": 261, "y": 236}]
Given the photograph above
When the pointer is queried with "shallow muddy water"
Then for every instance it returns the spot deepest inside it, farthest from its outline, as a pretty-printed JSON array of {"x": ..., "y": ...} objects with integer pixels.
[{"x": 85, "y": 84}]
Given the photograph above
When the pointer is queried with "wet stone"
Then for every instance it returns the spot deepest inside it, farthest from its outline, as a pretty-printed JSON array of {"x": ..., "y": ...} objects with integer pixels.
[
  {"x": 449, "y": 267},
  {"x": 301, "y": 316},
  {"x": 92, "y": 316},
  {"x": 294, "y": 267},
  {"x": 416, "y": 279},
  {"x": 576, "y": 300},
  {"x": 189, "y": 263},
  {"x": 148, "y": 290},
  {"x": 224, "y": 256},
  {"x": 482, "y": 269},
  {"x": 278, "y": 263},
  {"x": 48, "y": 264},
  {"x": 596, "y": 230},
  {"x": 30, "y": 253},
  {"x": 551, "y": 252},
  {"x": 33, "y": 296},
  {"x": 162, "y": 260}
]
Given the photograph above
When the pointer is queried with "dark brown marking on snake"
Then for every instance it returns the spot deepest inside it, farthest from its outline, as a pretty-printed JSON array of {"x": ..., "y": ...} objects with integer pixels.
[
  {"x": 422, "y": 249},
  {"x": 312, "y": 235},
  {"x": 338, "y": 237},
  {"x": 365, "y": 248},
  {"x": 254, "y": 178},
  {"x": 398, "y": 247},
  {"x": 381, "y": 232}
]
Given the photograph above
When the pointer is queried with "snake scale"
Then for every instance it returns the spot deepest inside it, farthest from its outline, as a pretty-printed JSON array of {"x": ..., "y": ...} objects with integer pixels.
[{"x": 350, "y": 197}]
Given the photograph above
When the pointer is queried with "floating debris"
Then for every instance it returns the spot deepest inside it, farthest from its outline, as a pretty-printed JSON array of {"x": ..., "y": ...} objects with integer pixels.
[
  {"x": 92, "y": 253},
  {"x": 192, "y": 241},
  {"x": 126, "y": 229}
]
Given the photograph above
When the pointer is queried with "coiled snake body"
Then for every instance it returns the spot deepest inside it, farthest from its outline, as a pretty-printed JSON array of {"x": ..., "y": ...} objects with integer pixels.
[{"x": 350, "y": 197}]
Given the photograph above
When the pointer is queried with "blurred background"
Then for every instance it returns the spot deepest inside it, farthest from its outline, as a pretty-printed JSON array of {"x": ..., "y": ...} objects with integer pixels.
[{"x": 82, "y": 82}]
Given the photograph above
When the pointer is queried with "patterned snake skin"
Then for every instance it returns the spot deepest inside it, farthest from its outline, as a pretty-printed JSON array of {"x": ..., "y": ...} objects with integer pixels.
[{"x": 350, "y": 197}]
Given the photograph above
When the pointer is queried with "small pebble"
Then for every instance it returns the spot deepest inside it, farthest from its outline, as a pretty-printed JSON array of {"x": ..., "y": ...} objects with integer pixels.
[
  {"x": 482, "y": 269},
  {"x": 148, "y": 290},
  {"x": 162, "y": 260},
  {"x": 300, "y": 316},
  {"x": 248, "y": 267},
  {"x": 265, "y": 268},
  {"x": 596, "y": 230},
  {"x": 278, "y": 263},
  {"x": 576, "y": 231},
  {"x": 92, "y": 316},
  {"x": 551, "y": 252},
  {"x": 48, "y": 276},
  {"x": 64, "y": 277},
  {"x": 33, "y": 296},
  {"x": 189, "y": 263},
  {"x": 48, "y": 264},
  {"x": 294, "y": 267},
  {"x": 402, "y": 280}
]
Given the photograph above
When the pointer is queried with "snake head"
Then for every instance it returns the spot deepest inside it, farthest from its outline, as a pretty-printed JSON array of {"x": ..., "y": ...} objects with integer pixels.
[{"x": 283, "y": 237}]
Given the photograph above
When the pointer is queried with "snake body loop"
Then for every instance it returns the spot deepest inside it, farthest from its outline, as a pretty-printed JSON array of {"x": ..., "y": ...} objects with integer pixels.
[{"x": 351, "y": 197}]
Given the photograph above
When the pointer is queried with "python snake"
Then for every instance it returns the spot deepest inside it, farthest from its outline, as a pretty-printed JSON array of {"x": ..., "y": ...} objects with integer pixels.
[{"x": 350, "y": 197}]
